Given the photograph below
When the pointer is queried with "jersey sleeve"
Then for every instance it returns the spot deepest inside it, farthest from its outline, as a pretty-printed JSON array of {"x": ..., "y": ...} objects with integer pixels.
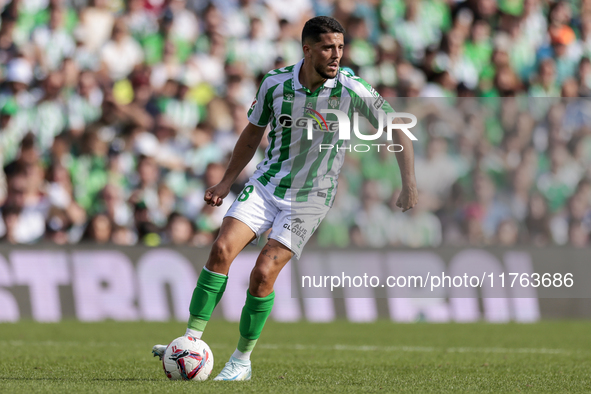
[
  {"x": 261, "y": 108},
  {"x": 368, "y": 102}
]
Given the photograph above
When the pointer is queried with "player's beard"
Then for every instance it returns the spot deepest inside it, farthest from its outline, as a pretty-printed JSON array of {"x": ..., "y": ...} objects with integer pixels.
[{"x": 323, "y": 73}]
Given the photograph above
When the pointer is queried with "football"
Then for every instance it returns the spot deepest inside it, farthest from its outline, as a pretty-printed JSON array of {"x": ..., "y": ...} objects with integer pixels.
[{"x": 187, "y": 358}]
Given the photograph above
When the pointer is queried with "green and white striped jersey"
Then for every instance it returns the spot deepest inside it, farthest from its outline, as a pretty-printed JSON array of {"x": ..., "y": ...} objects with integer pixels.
[{"x": 295, "y": 167}]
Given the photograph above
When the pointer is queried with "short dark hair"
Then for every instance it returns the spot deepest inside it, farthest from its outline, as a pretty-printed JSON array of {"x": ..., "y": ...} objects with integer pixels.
[{"x": 320, "y": 25}]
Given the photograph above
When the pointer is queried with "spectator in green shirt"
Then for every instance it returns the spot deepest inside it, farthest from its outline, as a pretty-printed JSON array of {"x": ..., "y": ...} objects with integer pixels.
[{"x": 154, "y": 44}]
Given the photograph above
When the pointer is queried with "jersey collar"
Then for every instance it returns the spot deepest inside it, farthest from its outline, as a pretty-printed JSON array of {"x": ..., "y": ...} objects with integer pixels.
[{"x": 295, "y": 80}]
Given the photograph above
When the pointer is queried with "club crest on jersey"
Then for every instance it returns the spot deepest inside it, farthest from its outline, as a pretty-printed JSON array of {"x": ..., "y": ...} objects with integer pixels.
[
  {"x": 334, "y": 102},
  {"x": 288, "y": 97}
]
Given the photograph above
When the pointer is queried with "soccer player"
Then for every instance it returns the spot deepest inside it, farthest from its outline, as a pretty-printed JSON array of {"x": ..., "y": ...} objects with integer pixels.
[{"x": 293, "y": 187}]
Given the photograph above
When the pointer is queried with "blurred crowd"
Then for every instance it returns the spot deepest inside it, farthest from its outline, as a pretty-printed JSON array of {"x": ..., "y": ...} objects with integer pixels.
[
  {"x": 115, "y": 116},
  {"x": 490, "y": 171}
]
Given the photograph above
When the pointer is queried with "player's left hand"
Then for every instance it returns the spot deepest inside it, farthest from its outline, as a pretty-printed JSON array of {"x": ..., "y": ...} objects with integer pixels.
[{"x": 408, "y": 198}]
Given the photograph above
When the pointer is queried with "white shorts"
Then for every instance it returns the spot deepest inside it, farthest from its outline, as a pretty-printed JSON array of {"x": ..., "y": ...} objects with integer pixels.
[{"x": 292, "y": 223}]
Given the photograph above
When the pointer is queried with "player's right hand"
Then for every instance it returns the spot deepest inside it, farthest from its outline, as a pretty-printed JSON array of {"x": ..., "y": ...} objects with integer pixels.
[{"x": 215, "y": 195}]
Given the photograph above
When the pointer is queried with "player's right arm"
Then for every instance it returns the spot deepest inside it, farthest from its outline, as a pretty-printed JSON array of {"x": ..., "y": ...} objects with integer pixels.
[
  {"x": 259, "y": 115},
  {"x": 242, "y": 154}
]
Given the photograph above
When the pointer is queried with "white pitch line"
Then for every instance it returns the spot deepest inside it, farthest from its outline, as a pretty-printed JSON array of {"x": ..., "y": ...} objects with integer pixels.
[
  {"x": 363, "y": 348},
  {"x": 417, "y": 349}
]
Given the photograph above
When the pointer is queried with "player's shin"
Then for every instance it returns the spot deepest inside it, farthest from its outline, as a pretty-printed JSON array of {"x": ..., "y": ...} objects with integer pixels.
[
  {"x": 254, "y": 315},
  {"x": 207, "y": 294}
]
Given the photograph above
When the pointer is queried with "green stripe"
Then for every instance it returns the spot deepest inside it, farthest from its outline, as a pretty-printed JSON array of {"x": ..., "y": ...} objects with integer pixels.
[
  {"x": 360, "y": 104},
  {"x": 286, "y": 108},
  {"x": 273, "y": 132},
  {"x": 333, "y": 154},
  {"x": 329, "y": 193},
  {"x": 300, "y": 160},
  {"x": 278, "y": 71},
  {"x": 335, "y": 151},
  {"x": 268, "y": 75},
  {"x": 272, "y": 138},
  {"x": 302, "y": 194},
  {"x": 268, "y": 107}
]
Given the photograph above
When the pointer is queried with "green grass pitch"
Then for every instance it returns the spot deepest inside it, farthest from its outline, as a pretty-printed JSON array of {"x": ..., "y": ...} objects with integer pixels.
[{"x": 338, "y": 357}]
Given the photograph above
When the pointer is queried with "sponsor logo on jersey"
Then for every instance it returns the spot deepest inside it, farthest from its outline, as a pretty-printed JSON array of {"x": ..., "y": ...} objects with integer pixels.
[
  {"x": 302, "y": 122},
  {"x": 296, "y": 228},
  {"x": 285, "y": 120},
  {"x": 288, "y": 97},
  {"x": 378, "y": 103}
]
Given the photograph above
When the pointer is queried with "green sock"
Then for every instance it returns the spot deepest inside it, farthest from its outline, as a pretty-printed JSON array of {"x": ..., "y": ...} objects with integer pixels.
[
  {"x": 254, "y": 315},
  {"x": 208, "y": 292}
]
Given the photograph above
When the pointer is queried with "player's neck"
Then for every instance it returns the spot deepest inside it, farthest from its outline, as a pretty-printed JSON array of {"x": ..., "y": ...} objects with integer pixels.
[{"x": 309, "y": 78}]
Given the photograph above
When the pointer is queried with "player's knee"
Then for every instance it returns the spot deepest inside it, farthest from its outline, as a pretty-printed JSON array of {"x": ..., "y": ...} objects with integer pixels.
[
  {"x": 261, "y": 276},
  {"x": 221, "y": 252}
]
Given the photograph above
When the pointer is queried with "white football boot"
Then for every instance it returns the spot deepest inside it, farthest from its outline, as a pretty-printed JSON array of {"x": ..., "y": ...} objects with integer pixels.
[
  {"x": 235, "y": 370},
  {"x": 158, "y": 350}
]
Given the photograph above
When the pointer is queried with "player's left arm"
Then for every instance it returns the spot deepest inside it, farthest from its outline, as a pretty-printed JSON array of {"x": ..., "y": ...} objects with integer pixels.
[
  {"x": 370, "y": 104},
  {"x": 409, "y": 195}
]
